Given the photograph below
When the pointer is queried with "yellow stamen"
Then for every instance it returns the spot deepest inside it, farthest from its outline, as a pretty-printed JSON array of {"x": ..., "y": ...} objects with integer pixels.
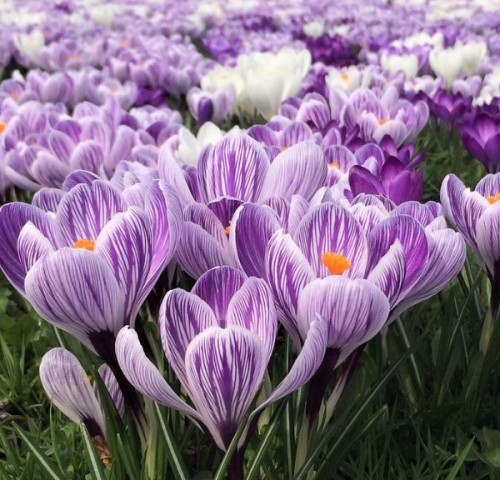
[
  {"x": 224, "y": 76},
  {"x": 383, "y": 121},
  {"x": 3, "y": 126},
  {"x": 334, "y": 165},
  {"x": 85, "y": 243},
  {"x": 282, "y": 149},
  {"x": 345, "y": 77},
  {"x": 493, "y": 198},
  {"x": 73, "y": 57},
  {"x": 227, "y": 230},
  {"x": 337, "y": 264}
]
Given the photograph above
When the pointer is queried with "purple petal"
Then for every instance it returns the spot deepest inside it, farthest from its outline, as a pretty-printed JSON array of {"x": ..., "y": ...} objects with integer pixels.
[
  {"x": 13, "y": 217},
  {"x": 252, "y": 227},
  {"x": 225, "y": 368},
  {"x": 354, "y": 310},
  {"x": 301, "y": 170},
  {"x": 125, "y": 243},
  {"x": 488, "y": 238},
  {"x": 68, "y": 387},
  {"x": 111, "y": 384},
  {"x": 48, "y": 199},
  {"x": 208, "y": 288},
  {"x": 236, "y": 167},
  {"x": 288, "y": 272},
  {"x": 85, "y": 210},
  {"x": 75, "y": 290},
  {"x": 143, "y": 375},
  {"x": 32, "y": 245},
  {"x": 330, "y": 228},
  {"x": 183, "y": 315},
  {"x": 252, "y": 307}
]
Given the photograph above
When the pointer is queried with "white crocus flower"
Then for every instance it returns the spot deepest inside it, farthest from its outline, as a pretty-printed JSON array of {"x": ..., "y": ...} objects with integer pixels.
[
  {"x": 270, "y": 78},
  {"x": 224, "y": 78},
  {"x": 472, "y": 54},
  {"x": 190, "y": 147},
  {"x": 30, "y": 45},
  {"x": 348, "y": 79},
  {"x": 314, "y": 29},
  {"x": 447, "y": 63},
  {"x": 395, "y": 63}
]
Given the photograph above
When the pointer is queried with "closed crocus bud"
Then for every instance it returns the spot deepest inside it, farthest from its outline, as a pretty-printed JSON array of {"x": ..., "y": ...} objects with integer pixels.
[
  {"x": 405, "y": 63},
  {"x": 472, "y": 54},
  {"x": 210, "y": 105}
]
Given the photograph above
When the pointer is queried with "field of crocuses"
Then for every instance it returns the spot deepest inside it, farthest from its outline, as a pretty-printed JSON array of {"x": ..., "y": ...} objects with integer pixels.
[{"x": 249, "y": 239}]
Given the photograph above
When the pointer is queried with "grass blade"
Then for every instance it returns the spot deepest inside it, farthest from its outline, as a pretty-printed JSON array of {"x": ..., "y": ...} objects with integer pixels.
[{"x": 40, "y": 457}]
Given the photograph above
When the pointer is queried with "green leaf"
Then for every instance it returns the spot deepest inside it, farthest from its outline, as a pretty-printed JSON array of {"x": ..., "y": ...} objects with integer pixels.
[
  {"x": 40, "y": 457},
  {"x": 460, "y": 460},
  {"x": 174, "y": 456}
]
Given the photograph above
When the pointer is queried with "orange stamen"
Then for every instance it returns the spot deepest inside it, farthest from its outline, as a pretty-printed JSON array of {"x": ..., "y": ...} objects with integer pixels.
[
  {"x": 493, "y": 198},
  {"x": 227, "y": 230},
  {"x": 14, "y": 96},
  {"x": 337, "y": 264},
  {"x": 85, "y": 243},
  {"x": 383, "y": 121},
  {"x": 3, "y": 126},
  {"x": 73, "y": 57},
  {"x": 334, "y": 165},
  {"x": 345, "y": 77},
  {"x": 282, "y": 149},
  {"x": 123, "y": 43}
]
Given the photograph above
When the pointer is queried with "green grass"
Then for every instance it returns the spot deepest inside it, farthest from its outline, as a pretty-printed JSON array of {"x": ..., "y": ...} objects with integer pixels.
[{"x": 424, "y": 402}]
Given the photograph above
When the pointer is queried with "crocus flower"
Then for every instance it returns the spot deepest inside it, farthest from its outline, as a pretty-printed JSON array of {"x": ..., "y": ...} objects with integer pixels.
[
  {"x": 218, "y": 339},
  {"x": 476, "y": 215},
  {"x": 234, "y": 171},
  {"x": 210, "y": 105},
  {"x": 71, "y": 390},
  {"x": 88, "y": 267},
  {"x": 481, "y": 138}
]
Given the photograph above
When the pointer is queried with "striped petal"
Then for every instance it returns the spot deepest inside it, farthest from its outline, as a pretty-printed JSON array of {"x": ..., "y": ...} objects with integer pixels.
[
  {"x": 126, "y": 244},
  {"x": 68, "y": 387},
  {"x": 208, "y": 288},
  {"x": 48, "y": 199},
  {"x": 305, "y": 366},
  {"x": 488, "y": 238},
  {"x": 252, "y": 227},
  {"x": 236, "y": 167},
  {"x": 447, "y": 253},
  {"x": 111, "y": 384},
  {"x": 252, "y": 307},
  {"x": 412, "y": 237},
  {"x": 288, "y": 272},
  {"x": 32, "y": 245},
  {"x": 183, "y": 315},
  {"x": 144, "y": 376},
  {"x": 13, "y": 217},
  {"x": 85, "y": 210},
  {"x": 301, "y": 170},
  {"x": 75, "y": 290},
  {"x": 225, "y": 368},
  {"x": 331, "y": 228},
  {"x": 354, "y": 310}
]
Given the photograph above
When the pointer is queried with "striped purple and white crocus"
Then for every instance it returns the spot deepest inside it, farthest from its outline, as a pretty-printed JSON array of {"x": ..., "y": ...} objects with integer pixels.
[{"x": 218, "y": 340}]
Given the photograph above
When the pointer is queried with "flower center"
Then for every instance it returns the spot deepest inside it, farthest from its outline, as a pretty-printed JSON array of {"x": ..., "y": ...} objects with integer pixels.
[
  {"x": 85, "y": 243},
  {"x": 336, "y": 263},
  {"x": 3, "y": 126},
  {"x": 123, "y": 43},
  {"x": 14, "y": 96},
  {"x": 282, "y": 149},
  {"x": 334, "y": 165},
  {"x": 73, "y": 57},
  {"x": 383, "y": 121},
  {"x": 491, "y": 198},
  {"x": 345, "y": 77}
]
